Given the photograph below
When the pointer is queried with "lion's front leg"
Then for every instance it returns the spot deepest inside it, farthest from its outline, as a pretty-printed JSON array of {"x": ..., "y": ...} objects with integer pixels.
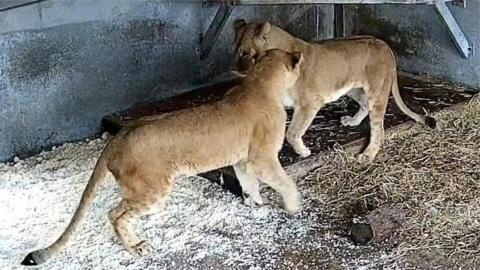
[{"x": 301, "y": 120}]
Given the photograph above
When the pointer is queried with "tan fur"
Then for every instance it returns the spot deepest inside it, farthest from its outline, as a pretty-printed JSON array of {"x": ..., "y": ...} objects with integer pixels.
[
  {"x": 362, "y": 67},
  {"x": 245, "y": 129}
]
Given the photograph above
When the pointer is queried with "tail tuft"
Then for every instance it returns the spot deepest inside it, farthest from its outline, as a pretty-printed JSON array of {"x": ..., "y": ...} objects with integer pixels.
[
  {"x": 430, "y": 122},
  {"x": 36, "y": 257},
  {"x": 29, "y": 260}
]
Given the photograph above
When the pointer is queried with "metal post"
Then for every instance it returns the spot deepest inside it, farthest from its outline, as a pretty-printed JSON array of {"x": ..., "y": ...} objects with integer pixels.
[
  {"x": 211, "y": 36},
  {"x": 339, "y": 20},
  {"x": 462, "y": 43}
]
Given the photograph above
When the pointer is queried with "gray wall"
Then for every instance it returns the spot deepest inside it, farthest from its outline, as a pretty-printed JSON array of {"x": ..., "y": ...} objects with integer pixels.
[
  {"x": 420, "y": 39},
  {"x": 65, "y": 64}
]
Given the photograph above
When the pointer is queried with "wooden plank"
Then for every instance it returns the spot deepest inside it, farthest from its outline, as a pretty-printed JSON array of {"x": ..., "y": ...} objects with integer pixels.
[{"x": 302, "y": 168}]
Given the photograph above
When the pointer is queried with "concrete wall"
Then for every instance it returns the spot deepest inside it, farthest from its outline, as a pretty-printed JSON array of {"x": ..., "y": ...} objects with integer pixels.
[
  {"x": 420, "y": 39},
  {"x": 65, "y": 64}
]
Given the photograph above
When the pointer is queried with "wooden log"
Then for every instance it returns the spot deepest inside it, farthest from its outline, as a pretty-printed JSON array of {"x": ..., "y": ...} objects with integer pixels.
[
  {"x": 302, "y": 168},
  {"x": 377, "y": 225}
]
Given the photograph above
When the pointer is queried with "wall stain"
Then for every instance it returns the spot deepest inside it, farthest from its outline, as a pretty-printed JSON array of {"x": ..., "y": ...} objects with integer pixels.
[
  {"x": 39, "y": 57},
  {"x": 138, "y": 30},
  {"x": 404, "y": 41},
  {"x": 46, "y": 56}
]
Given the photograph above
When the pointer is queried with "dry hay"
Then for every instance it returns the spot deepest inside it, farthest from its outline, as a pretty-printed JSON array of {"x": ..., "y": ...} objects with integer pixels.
[{"x": 435, "y": 174}]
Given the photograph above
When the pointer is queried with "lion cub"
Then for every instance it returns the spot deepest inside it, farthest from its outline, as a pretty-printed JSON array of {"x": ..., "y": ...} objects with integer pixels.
[
  {"x": 245, "y": 129},
  {"x": 362, "y": 67}
]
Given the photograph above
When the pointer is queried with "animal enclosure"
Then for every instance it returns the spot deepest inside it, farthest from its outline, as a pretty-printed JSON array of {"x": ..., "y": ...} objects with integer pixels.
[{"x": 74, "y": 73}]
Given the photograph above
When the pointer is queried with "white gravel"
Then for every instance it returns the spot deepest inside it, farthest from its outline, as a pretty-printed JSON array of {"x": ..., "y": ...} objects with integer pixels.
[{"x": 204, "y": 227}]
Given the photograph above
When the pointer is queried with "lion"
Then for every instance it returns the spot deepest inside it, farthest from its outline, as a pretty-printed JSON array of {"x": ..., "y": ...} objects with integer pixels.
[
  {"x": 244, "y": 130},
  {"x": 362, "y": 67}
]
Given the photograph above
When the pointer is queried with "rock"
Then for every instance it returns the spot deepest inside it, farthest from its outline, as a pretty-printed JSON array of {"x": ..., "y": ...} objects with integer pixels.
[{"x": 105, "y": 136}]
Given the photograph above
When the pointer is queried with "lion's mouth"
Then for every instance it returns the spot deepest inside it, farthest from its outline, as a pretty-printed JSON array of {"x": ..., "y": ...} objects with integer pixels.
[{"x": 244, "y": 64}]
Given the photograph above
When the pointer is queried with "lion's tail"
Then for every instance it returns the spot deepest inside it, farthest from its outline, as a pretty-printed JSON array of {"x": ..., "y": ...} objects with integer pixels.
[{"x": 96, "y": 180}]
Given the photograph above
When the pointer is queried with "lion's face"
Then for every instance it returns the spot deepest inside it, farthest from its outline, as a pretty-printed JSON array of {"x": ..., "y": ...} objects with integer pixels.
[{"x": 252, "y": 42}]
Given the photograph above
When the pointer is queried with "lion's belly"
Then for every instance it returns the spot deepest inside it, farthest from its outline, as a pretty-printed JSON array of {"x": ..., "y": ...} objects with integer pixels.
[
  {"x": 338, "y": 93},
  {"x": 220, "y": 151},
  {"x": 321, "y": 94}
]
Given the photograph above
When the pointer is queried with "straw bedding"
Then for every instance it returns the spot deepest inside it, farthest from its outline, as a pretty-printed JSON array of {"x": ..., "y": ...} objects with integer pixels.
[{"x": 434, "y": 174}]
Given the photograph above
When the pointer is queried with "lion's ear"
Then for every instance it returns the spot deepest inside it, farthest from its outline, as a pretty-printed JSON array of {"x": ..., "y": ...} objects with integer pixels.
[
  {"x": 297, "y": 60},
  {"x": 263, "y": 30},
  {"x": 239, "y": 24}
]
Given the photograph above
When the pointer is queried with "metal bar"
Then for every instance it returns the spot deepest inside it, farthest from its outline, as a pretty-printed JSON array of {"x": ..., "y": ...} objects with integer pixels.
[
  {"x": 291, "y": 2},
  {"x": 8, "y": 5},
  {"x": 462, "y": 43},
  {"x": 338, "y": 20},
  {"x": 211, "y": 36}
]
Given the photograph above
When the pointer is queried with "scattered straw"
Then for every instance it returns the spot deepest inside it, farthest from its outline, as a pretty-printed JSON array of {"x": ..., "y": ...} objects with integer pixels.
[{"x": 435, "y": 174}]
